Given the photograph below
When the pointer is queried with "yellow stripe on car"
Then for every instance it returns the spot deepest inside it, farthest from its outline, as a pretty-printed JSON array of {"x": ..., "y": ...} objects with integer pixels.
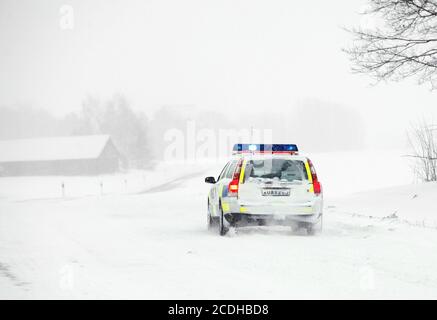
[
  {"x": 243, "y": 210},
  {"x": 307, "y": 209},
  {"x": 225, "y": 207},
  {"x": 310, "y": 177},
  {"x": 243, "y": 168}
]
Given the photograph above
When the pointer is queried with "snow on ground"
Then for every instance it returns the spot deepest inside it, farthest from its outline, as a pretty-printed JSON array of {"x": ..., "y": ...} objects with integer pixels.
[{"x": 151, "y": 242}]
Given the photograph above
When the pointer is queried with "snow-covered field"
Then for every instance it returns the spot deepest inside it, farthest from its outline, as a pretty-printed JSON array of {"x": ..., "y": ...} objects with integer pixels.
[{"x": 143, "y": 235}]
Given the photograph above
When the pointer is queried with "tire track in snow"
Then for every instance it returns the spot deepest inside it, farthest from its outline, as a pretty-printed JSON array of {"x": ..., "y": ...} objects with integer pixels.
[{"x": 172, "y": 184}]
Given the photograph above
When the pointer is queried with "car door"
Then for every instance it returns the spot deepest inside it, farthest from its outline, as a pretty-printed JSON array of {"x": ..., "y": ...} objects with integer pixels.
[
  {"x": 215, "y": 191},
  {"x": 224, "y": 185}
]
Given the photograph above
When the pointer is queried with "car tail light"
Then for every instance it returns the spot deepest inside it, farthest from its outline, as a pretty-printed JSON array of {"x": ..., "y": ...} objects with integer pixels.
[
  {"x": 316, "y": 183},
  {"x": 235, "y": 182}
]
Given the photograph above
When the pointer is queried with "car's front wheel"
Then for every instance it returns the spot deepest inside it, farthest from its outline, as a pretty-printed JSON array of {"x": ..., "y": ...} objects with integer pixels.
[{"x": 210, "y": 222}]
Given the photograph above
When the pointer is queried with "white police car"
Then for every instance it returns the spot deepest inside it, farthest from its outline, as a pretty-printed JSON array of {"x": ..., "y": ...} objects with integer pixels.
[{"x": 266, "y": 184}]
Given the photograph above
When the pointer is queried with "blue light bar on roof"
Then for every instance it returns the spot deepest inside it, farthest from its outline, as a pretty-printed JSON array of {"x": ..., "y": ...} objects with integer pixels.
[{"x": 268, "y": 148}]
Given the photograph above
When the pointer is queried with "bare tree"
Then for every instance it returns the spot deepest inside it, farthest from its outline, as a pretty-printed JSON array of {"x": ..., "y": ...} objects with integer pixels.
[
  {"x": 405, "y": 46},
  {"x": 423, "y": 143}
]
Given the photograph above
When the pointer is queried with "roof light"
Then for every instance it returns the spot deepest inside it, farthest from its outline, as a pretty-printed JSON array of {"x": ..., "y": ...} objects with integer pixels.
[
  {"x": 252, "y": 147},
  {"x": 265, "y": 148}
]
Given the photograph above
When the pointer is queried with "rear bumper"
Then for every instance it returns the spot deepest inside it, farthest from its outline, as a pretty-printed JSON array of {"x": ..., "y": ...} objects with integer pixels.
[
  {"x": 244, "y": 219},
  {"x": 241, "y": 214},
  {"x": 308, "y": 208}
]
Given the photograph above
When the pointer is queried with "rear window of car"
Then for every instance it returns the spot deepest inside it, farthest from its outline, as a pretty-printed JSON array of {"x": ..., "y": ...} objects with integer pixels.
[
  {"x": 231, "y": 169},
  {"x": 280, "y": 169},
  {"x": 223, "y": 172}
]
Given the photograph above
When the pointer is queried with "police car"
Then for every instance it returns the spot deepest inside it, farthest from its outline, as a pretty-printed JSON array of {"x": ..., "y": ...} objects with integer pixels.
[{"x": 266, "y": 184}]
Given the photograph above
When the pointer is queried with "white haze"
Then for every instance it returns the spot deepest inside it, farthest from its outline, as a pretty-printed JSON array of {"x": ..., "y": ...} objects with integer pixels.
[{"x": 236, "y": 57}]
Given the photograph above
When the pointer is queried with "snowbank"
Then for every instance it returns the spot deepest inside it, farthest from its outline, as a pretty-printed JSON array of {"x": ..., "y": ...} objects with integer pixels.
[{"x": 414, "y": 204}]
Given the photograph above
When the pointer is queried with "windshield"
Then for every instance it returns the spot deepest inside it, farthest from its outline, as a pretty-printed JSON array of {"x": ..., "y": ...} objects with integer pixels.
[{"x": 280, "y": 169}]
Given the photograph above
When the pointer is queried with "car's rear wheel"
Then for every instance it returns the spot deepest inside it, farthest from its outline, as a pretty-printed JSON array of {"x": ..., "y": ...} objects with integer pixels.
[
  {"x": 223, "y": 227},
  {"x": 295, "y": 227},
  {"x": 310, "y": 229},
  {"x": 313, "y": 228}
]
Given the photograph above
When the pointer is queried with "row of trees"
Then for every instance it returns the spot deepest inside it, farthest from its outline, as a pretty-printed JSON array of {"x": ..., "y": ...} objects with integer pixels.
[{"x": 141, "y": 139}]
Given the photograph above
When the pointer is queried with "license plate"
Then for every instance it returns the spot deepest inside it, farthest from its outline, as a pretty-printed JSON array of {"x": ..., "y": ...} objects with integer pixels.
[{"x": 276, "y": 192}]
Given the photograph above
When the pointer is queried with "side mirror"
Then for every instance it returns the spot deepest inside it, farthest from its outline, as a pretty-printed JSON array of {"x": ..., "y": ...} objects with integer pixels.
[{"x": 210, "y": 180}]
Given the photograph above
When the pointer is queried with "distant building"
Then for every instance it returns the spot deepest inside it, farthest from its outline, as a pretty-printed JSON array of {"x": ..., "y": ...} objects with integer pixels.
[{"x": 73, "y": 155}]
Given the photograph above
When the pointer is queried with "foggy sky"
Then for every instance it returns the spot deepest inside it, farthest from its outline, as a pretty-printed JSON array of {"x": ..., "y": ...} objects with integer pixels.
[{"x": 251, "y": 56}]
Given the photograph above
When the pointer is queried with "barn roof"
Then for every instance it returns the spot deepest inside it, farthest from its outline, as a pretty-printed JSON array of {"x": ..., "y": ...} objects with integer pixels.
[{"x": 53, "y": 148}]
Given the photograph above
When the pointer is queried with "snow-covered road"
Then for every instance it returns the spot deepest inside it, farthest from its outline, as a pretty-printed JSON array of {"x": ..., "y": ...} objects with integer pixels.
[{"x": 155, "y": 244}]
